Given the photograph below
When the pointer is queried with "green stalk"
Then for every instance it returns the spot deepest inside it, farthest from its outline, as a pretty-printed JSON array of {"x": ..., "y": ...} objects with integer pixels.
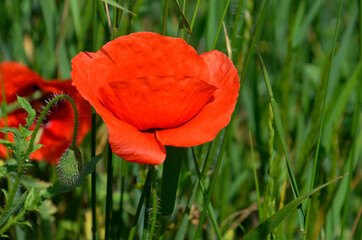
[
  {"x": 12, "y": 221},
  {"x": 148, "y": 187},
  {"x": 117, "y": 14},
  {"x": 203, "y": 188},
  {"x": 120, "y": 221},
  {"x": 139, "y": 206},
  {"x": 253, "y": 42},
  {"x": 45, "y": 111},
  {"x": 109, "y": 195},
  {"x": 220, "y": 25},
  {"x": 256, "y": 178},
  {"x": 279, "y": 126},
  {"x": 165, "y": 12},
  {"x": 154, "y": 202},
  {"x": 315, "y": 167},
  {"x": 213, "y": 180},
  {"x": 185, "y": 218},
  {"x": 193, "y": 19}
]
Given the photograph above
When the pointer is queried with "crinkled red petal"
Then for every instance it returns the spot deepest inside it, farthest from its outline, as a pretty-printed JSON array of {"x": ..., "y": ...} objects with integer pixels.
[
  {"x": 145, "y": 54},
  {"x": 125, "y": 140},
  {"x": 216, "y": 114},
  {"x": 156, "y": 102}
]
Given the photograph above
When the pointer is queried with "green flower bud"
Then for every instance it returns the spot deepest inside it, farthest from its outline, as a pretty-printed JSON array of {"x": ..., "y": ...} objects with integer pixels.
[{"x": 70, "y": 167}]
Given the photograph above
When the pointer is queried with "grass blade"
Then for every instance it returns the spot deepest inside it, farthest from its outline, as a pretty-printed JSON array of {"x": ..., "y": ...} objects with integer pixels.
[
  {"x": 203, "y": 188},
  {"x": 278, "y": 123},
  {"x": 264, "y": 229},
  {"x": 117, "y": 5},
  {"x": 220, "y": 25},
  {"x": 315, "y": 167}
]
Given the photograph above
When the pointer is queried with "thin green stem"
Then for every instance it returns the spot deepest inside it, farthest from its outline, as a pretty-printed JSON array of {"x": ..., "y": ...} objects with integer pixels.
[
  {"x": 185, "y": 218},
  {"x": 203, "y": 188},
  {"x": 220, "y": 25},
  {"x": 213, "y": 180},
  {"x": 154, "y": 203},
  {"x": 45, "y": 111},
  {"x": 139, "y": 206},
  {"x": 117, "y": 14},
  {"x": 280, "y": 129},
  {"x": 193, "y": 19},
  {"x": 253, "y": 42},
  {"x": 148, "y": 187},
  {"x": 315, "y": 167},
  {"x": 256, "y": 178},
  {"x": 165, "y": 13},
  {"x": 109, "y": 195},
  {"x": 120, "y": 219},
  {"x": 13, "y": 221},
  {"x": 195, "y": 13}
]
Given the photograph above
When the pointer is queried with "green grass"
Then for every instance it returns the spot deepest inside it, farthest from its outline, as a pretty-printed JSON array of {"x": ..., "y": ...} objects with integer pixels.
[{"x": 310, "y": 77}]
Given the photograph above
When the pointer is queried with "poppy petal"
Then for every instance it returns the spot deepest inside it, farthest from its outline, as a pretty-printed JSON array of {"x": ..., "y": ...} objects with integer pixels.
[
  {"x": 18, "y": 80},
  {"x": 145, "y": 54},
  {"x": 125, "y": 140},
  {"x": 216, "y": 114},
  {"x": 132, "y": 145},
  {"x": 156, "y": 102}
]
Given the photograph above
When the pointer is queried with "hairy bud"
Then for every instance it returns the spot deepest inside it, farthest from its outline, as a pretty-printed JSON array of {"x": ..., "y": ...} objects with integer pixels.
[{"x": 69, "y": 167}]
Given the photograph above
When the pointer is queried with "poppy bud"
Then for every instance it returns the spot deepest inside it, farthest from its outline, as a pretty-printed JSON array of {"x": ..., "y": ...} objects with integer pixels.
[{"x": 70, "y": 166}]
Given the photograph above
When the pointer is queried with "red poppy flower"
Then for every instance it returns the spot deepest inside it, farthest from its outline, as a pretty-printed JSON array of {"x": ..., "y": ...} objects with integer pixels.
[
  {"x": 153, "y": 90},
  {"x": 57, "y": 130}
]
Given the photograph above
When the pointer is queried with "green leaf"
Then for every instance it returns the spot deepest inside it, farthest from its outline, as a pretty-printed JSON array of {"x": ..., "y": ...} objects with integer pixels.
[
  {"x": 27, "y": 107},
  {"x": 184, "y": 19},
  {"x": 58, "y": 188},
  {"x": 9, "y": 130},
  {"x": 30, "y": 201},
  {"x": 4, "y": 235},
  {"x": 7, "y": 144},
  {"x": 6, "y": 194},
  {"x": 7, "y": 168},
  {"x": 170, "y": 178},
  {"x": 25, "y": 223},
  {"x": 13, "y": 209},
  {"x": 117, "y": 5},
  {"x": 267, "y": 227},
  {"x": 30, "y": 182},
  {"x": 36, "y": 147}
]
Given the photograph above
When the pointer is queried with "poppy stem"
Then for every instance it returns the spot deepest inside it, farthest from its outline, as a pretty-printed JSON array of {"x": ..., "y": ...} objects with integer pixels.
[
  {"x": 109, "y": 195},
  {"x": 154, "y": 202},
  {"x": 139, "y": 206},
  {"x": 148, "y": 189},
  {"x": 45, "y": 111}
]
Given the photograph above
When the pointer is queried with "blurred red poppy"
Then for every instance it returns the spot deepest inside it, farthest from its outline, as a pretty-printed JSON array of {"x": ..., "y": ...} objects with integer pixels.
[
  {"x": 56, "y": 132},
  {"x": 153, "y": 90}
]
